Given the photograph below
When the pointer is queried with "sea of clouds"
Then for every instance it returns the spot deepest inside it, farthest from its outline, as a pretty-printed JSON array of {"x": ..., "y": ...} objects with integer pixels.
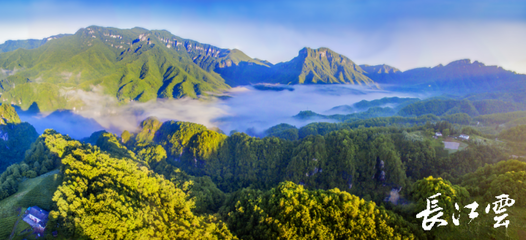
[{"x": 240, "y": 109}]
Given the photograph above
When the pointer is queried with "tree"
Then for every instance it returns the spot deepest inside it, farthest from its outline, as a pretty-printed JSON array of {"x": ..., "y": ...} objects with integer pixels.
[
  {"x": 107, "y": 197},
  {"x": 291, "y": 212},
  {"x": 445, "y": 132},
  {"x": 450, "y": 194}
]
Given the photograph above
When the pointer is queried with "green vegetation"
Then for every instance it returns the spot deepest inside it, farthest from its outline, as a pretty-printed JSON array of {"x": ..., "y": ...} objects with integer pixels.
[
  {"x": 182, "y": 179},
  {"x": 8, "y": 114},
  {"x": 370, "y": 113},
  {"x": 15, "y": 137},
  {"x": 99, "y": 191},
  {"x": 92, "y": 139},
  {"x": 141, "y": 65},
  {"x": 367, "y": 162},
  {"x": 517, "y": 133},
  {"x": 15, "y": 140},
  {"x": 506, "y": 177},
  {"x": 283, "y": 131},
  {"x": 133, "y": 64},
  {"x": 323, "y": 128},
  {"x": 43, "y": 156},
  {"x": 441, "y": 107},
  {"x": 378, "y": 116},
  {"x": 450, "y": 194},
  {"x": 11, "y": 45},
  {"x": 399, "y": 102},
  {"x": 291, "y": 212},
  {"x": 365, "y": 177},
  {"x": 362, "y": 178},
  {"x": 32, "y": 192},
  {"x": 320, "y": 65}
]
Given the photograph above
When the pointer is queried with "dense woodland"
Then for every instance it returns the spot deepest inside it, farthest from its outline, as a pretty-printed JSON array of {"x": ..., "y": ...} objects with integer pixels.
[{"x": 322, "y": 181}]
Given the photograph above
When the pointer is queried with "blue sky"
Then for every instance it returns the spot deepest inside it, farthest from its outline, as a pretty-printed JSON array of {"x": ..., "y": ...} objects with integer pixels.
[{"x": 403, "y": 34}]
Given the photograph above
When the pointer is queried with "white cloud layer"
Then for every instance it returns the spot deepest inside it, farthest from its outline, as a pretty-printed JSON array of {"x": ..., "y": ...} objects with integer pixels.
[{"x": 246, "y": 108}]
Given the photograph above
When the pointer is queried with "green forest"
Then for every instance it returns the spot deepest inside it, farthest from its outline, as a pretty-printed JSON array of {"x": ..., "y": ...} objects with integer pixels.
[{"x": 362, "y": 179}]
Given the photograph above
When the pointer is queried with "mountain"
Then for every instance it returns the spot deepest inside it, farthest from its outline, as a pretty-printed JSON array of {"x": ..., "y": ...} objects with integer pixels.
[
  {"x": 320, "y": 65},
  {"x": 461, "y": 77},
  {"x": 379, "y": 69},
  {"x": 384, "y": 73},
  {"x": 16, "y": 137},
  {"x": 393, "y": 102},
  {"x": 8, "y": 114},
  {"x": 311, "y": 66},
  {"x": 234, "y": 66},
  {"x": 11, "y": 45},
  {"x": 142, "y": 65},
  {"x": 131, "y": 65},
  {"x": 441, "y": 107}
]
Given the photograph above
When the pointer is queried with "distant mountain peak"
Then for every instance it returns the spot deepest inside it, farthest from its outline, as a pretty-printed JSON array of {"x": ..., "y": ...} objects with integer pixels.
[
  {"x": 460, "y": 62},
  {"x": 379, "y": 69}
]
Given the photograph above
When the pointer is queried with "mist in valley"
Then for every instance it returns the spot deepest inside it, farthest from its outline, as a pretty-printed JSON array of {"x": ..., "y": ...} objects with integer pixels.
[{"x": 240, "y": 109}]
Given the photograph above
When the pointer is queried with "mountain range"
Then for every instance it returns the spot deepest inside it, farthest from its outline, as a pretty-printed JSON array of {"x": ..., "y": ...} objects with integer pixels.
[
  {"x": 458, "y": 77},
  {"x": 142, "y": 65}
]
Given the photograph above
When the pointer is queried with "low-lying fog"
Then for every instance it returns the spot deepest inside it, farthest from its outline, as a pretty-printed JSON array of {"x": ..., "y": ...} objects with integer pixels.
[{"x": 246, "y": 108}]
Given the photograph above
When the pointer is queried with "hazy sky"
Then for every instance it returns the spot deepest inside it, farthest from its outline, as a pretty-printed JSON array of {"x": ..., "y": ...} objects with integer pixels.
[{"x": 403, "y": 34}]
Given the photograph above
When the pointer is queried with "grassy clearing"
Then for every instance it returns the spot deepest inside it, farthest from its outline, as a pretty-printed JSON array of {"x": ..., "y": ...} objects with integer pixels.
[
  {"x": 461, "y": 147},
  {"x": 32, "y": 192}
]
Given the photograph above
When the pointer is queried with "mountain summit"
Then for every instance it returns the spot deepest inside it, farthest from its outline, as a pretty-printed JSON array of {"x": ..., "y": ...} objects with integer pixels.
[{"x": 320, "y": 65}]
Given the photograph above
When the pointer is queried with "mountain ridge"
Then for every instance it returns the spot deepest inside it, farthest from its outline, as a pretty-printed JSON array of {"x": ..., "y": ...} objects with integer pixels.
[
  {"x": 461, "y": 77},
  {"x": 11, "y": 45},
  {"x": 138, "y": 64}
]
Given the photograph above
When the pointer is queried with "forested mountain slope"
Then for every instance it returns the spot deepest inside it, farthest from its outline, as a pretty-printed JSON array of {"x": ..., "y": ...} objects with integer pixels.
[
  {"x": 15, "y": 137},
  {"x": 131, "y": 65},
  {"x": 182, "y": 179}
]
